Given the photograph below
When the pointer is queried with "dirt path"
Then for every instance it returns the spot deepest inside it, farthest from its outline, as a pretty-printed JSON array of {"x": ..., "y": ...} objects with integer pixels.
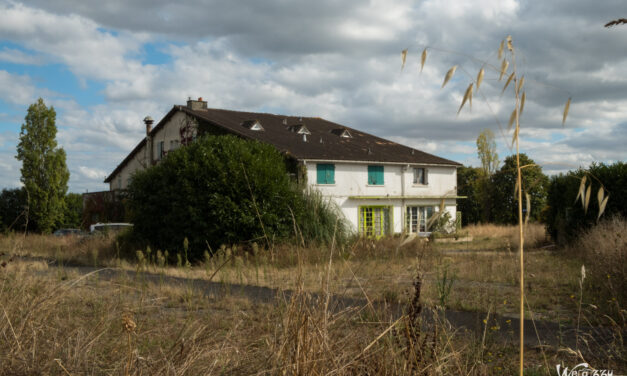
[{"x": 503, "y": 329}]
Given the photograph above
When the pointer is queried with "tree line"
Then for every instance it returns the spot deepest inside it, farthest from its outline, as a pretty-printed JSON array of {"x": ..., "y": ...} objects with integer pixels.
[{"x": 490, "y": 198}]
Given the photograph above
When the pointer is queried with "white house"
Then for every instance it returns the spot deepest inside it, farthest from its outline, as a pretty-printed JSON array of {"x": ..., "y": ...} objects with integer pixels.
[{"x": 380, "y": 186}]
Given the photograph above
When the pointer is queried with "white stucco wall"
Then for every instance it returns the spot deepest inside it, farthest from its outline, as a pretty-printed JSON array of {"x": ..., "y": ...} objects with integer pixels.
[{"x": 398, "y": 190}]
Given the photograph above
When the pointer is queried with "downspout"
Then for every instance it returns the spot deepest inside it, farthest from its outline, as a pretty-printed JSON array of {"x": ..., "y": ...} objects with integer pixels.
[{"x": 403, "y": 209}]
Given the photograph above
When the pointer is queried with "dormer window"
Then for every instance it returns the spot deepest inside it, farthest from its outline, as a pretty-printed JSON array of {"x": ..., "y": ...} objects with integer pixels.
[
  {"x": 253, "y": 125},
  {"x": 342, "y": 132},
  {"x": 299, "y": 128},
  {"x": 303, "y": 130}
]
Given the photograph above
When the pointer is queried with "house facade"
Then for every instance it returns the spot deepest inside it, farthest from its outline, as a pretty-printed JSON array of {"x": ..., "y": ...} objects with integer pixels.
[{"x": 380, "y": 186}]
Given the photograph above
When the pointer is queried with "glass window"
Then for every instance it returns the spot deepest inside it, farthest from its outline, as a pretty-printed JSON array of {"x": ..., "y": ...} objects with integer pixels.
[
  {"x": 417, "y": 218},
  {"x": 374, "y": 221},
  {"x": 160, "y": 150},
  {"x": 325, "y": 173},
  {"x": 375, "y": 175},
  {"x": 420, "y": 176}
]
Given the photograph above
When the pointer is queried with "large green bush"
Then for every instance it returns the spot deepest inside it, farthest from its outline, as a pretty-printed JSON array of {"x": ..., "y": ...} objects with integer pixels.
[
  {"x": 566, "y": 219},
  {"x": 222, "y": 190}
]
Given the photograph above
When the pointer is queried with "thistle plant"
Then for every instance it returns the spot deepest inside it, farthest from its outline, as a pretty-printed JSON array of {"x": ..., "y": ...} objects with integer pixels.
[{"x": 506, "y": 69}]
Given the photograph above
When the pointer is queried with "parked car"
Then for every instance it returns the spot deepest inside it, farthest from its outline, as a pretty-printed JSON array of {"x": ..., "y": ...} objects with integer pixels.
[
  {"x": 107, "y": 228},
  {"x": 68, "y": 232}
]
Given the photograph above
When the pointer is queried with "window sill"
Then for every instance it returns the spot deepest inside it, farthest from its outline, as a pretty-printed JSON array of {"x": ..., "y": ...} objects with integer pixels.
[
  {"x": 420, "y": 185},
  {"x": 324, "y": 185},
  {"x": 375, "y": 185}
]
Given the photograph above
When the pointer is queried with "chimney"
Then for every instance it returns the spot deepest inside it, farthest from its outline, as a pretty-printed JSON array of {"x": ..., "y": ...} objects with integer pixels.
[
  {"x": 196, "y": 105},
  {"x": 148, "y": 121}
]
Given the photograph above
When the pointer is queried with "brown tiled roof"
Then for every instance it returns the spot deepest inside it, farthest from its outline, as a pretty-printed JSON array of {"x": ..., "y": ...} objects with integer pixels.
[{"x": 324, "y": 142}]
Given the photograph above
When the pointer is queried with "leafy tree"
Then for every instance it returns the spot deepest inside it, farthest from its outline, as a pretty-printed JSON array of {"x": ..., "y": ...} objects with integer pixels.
[
  {"x": 73, "y": 213},
  {"x": 505, "y": 202},
  {"x": 44, "y": 172},
  {"x": 486, "y": 148},
  {"x": 13, "y": 207},
  {"x": 220, "y": 190},
  {"x": 566, "y": 218},
  {"x": 468, "y": 180}
]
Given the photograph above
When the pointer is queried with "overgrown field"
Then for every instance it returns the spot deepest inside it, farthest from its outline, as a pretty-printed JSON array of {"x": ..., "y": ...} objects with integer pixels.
[{"x": 56, "y": 320}]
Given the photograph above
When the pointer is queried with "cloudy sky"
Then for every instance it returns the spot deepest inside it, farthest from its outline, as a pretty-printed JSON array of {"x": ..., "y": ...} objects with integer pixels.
[{"x": 105, "y": 65}]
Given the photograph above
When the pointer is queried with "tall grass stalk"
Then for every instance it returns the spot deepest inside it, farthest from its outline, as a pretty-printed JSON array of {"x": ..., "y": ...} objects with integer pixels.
[{"x": 519, "y": 98}]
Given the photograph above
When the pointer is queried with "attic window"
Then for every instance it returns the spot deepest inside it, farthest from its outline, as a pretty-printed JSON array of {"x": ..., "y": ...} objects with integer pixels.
[
  {"x": 253, "y": 125},
  {"x": 303, "y": 130},
  {"x": 342, "y": 132},
  {"x": 299, "y": 128}
]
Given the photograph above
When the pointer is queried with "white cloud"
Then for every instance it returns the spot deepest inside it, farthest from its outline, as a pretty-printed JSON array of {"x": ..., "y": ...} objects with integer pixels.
[
  {"x": 73, "y": 40},
  {"x": 340, "y": 61},
  {"x": 92, "y": 173},
  {"x": 14, "y": 56},
  {"x": 16, "y": 89}
]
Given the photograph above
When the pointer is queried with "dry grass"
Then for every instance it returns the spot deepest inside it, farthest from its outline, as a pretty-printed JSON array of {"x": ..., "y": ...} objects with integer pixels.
[
  {"x": 603, "y": 252},
  {"x": 68, "y": 250},
  {"x": 535, "y": 233},
  {"x": 85, "y": 325}
]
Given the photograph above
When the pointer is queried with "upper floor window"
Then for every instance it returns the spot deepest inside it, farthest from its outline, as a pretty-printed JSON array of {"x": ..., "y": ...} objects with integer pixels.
[
  {"x": 174, "y": 144},
  {"x": 375, "y": 175},
  {"x": 325, "y": 173},
  {"x": 160, "y": 149},
  {"x": 420, "y": 176}
]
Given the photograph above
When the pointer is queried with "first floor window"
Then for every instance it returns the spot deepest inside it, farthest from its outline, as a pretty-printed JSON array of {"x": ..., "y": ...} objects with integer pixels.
[
  {"x": 417, "y": 217},
  {"x": 325, "y": 173},
  {"x": 374, "y": 221}
]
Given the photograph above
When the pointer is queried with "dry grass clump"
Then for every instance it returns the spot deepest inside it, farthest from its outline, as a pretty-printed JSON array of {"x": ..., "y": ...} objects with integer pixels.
[
  {"x": 603, "y": 252},
  {"x": 535, "y": 233},
  {"x": 80, "y": 325},
  {"x": 89, "y": 250}
]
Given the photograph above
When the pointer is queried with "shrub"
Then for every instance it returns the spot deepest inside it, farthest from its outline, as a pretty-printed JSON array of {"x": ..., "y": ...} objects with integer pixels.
[
  {"x": 223, "y": 190},
  {"x": 566, "y": 219},
  {"x": 13, "y": 205},
  {"x": 469, "y": 185}
]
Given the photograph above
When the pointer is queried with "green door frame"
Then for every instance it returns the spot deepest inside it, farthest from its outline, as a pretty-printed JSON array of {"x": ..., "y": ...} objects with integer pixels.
[{"x": 385, "y": 228}]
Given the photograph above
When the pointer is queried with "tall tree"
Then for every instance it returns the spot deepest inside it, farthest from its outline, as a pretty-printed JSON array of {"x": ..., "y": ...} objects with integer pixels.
[
  {"x": 486, "y": 148},
  {"x": 44, "y": 172},
  {"x": 503, "y": 183}
]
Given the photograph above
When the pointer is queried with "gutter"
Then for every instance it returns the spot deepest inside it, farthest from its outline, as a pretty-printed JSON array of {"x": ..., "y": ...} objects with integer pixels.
[
  {"x": 405, "y": 197},
  {"x": 376, "y": 162}
]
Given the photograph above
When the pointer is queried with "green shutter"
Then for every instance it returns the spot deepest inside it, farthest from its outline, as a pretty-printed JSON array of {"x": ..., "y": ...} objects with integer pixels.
[
  {"x": 330, "y": 174},
  {"x": 375, "y": 175},
  {"x": 325, "y": 173},
  {"x": 321, "y": 173}
]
